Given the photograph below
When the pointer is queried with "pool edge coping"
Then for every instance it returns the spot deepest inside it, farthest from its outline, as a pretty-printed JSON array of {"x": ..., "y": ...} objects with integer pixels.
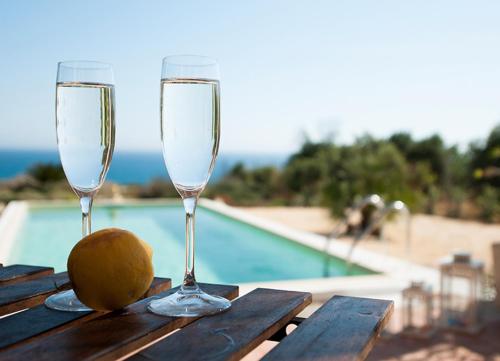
[{"x": 11, "y": 220}]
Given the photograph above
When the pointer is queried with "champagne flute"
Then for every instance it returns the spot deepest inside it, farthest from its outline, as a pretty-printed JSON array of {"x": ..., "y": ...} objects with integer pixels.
[
  {"x": 190, "y": 131},
  {"x": 85, "y": 126}
]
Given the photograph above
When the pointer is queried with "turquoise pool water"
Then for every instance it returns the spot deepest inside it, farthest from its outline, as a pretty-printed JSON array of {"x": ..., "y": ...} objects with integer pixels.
[{"x": 227, "y": 250}]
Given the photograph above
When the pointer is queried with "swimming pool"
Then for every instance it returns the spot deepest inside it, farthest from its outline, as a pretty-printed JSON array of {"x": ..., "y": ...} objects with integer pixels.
[{"x": 227, "y": 250}]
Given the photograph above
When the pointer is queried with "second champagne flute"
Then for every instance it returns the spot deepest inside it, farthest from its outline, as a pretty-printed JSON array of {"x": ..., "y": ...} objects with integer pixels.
[
  {"x": 190, "y": 131},
  {"x": 85, "y": 125}
]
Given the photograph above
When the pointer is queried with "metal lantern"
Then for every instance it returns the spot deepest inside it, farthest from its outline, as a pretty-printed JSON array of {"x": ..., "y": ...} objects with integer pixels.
[
  {"x": 417, "y": 310},
  {"x": 461, "y": 288}
]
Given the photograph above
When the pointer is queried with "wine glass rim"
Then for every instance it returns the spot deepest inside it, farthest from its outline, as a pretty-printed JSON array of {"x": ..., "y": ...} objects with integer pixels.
[
  {"x": 84, "y": 64},
  {"x": 190, "y": 60}
]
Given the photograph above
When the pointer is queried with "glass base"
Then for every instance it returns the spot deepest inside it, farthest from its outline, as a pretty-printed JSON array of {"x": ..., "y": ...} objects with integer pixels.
[
  {"x": 66, "y": 301},
  {"x": 189, "y": 303}
]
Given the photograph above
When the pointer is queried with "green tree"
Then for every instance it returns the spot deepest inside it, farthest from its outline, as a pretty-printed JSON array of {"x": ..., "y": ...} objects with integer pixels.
[
  {"x": 489, "y": 203},
  {"x": 485, "y": 160},
  {"x": 430, "y": 150},
  {"x": 158, "y": 188},
  {"x": 304, "y": 176},
  {"x": 423, "y": 173},
  {"x": 248, "y": 187},
  {"x": 368, "y": 166},
  {"x": 403, "y": 141},
  {"x": 47, "y": 172}
]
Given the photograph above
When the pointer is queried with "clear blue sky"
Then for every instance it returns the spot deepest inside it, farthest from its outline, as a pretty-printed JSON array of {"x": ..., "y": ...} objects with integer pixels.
[{"x": 321, "y": 66}]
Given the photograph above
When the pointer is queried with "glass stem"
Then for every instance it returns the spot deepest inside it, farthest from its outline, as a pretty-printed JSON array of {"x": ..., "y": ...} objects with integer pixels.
[
  {"x": 190, "y": 208},
  {"x": 86, "y": 205}
]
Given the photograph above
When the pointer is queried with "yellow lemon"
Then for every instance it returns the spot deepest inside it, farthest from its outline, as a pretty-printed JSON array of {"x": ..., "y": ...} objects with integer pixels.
[{"x": 110, "y": 269}]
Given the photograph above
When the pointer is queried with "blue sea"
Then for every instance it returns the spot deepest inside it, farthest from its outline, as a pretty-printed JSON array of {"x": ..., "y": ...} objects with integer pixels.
[{"x": 131, "y": 167}]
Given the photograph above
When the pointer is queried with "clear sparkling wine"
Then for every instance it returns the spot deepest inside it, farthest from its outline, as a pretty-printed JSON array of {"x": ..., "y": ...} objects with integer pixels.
[
  {"x": 190, "y": 131},
  {"x": 85, "y": 132}
]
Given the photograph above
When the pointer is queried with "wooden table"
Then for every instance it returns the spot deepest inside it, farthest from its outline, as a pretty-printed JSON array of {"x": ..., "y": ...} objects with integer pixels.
[{"x": 344, "y": 328}]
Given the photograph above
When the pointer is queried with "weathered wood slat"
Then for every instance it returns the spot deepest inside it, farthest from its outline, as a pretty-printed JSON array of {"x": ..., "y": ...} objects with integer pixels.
[
  {"x": 344, "y": 328},
  {"x": 22, "y": 295},
  {"x": 20, "y": 273},
  {"x": 231, "y": 335},
  {"x": 158, "y": 285},
  {"x": 27, "y": 325},
  {"x": 110, "y": 336}
]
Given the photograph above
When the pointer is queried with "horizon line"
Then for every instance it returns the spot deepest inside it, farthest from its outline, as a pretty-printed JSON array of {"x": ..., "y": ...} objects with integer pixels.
[{"x": 147, "y": 151}]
